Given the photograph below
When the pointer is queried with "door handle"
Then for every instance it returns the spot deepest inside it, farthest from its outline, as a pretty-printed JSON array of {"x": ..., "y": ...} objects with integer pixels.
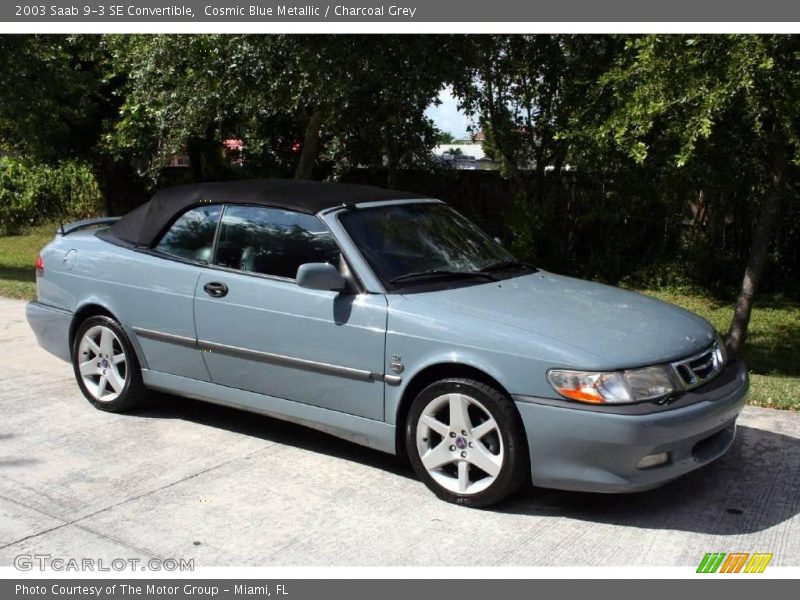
[{"x": 216, "y": 289}]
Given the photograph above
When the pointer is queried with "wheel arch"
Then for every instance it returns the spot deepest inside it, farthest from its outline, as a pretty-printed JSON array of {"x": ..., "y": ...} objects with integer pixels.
[
  {"x": 84, "y": 312},
  {"x": 93, "y": 309},
  {"x": 428, "y": 375}
]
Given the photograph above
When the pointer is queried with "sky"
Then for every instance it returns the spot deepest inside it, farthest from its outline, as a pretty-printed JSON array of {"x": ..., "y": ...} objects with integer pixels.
[{"x": 447, "y": 117}]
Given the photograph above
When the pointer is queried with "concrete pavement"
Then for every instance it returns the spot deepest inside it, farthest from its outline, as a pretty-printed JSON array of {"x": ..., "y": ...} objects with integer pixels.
[{"x": 184, "y": 479}]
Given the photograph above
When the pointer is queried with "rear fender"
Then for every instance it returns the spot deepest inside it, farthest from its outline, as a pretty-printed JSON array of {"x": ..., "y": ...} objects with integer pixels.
[{"x": 96, "y": 306}]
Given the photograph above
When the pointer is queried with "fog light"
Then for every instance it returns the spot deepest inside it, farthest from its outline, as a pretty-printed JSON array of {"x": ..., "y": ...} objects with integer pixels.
[{"x": 653, "y": 460}]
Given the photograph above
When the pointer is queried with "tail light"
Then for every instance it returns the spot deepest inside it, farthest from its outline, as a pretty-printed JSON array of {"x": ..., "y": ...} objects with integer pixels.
[{"x": 39, "y": 265}]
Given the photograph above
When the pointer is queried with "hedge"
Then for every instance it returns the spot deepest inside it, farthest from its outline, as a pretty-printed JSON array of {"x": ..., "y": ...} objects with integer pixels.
[{"x": 31, "y": 193}]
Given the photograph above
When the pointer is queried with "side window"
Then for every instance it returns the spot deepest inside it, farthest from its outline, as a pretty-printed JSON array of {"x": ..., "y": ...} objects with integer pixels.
[
  {"x": 272, "y": 241},
  {"x": 192, "y": 235}
]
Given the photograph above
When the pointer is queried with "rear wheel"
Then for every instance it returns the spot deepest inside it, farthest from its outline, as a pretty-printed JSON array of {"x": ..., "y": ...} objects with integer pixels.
[
  {"x": 466, "y": 442},
  {"x": 106, "y": 367}
]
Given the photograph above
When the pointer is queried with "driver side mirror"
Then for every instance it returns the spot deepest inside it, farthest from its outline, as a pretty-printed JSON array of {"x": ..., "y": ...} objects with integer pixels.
[{"x": 320, "y": 276}]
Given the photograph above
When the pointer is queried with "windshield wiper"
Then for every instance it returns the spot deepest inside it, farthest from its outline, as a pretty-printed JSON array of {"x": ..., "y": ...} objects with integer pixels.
[
  {"x": 440, "y": 273},
  {"x": 501, "y": 265}
]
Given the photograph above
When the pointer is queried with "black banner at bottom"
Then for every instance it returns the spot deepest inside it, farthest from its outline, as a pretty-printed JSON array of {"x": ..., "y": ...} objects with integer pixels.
[{"x": 385, "y": 589}]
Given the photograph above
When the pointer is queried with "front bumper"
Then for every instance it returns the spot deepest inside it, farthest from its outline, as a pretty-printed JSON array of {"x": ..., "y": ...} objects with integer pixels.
[
  {"x": 598, "y": 451},
  {"x": 51, "y": 327}
]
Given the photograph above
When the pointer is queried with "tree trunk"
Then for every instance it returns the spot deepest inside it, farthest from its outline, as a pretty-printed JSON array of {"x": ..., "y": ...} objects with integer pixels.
[
  {"x": 760, "y": 246},
  {"x": 195, "y": 153},
  {"x": 506, "y": 158},
  {"x": 310, "y": 150},
  {"x": 391, "y": 157},
  {"x": 104, "y": 175},
  {"x": 122, "y": 188}
]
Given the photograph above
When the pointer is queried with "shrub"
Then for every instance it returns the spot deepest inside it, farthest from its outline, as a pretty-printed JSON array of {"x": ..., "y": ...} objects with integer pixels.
[{"x": 33, "y": 193}]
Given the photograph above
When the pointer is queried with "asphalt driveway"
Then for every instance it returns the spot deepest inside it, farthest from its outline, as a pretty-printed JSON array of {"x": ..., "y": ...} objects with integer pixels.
[{"x": 185, "y": 479}]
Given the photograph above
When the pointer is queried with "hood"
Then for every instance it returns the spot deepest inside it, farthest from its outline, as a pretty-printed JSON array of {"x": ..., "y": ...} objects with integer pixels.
[{"x": 622, "y": 328}]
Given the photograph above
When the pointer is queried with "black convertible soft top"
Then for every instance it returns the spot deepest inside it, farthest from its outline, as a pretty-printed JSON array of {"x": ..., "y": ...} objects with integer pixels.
[{"x": 144, "y": 225}]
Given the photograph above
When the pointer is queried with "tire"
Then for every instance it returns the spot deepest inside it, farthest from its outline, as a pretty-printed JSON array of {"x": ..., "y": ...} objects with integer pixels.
[
  {"x": 106, "y": 367},
  {"x": 480, "y": 468}
]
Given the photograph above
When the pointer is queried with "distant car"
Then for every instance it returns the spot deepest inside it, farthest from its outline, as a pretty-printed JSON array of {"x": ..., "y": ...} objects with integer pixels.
[{"x": 392, "y": 321}]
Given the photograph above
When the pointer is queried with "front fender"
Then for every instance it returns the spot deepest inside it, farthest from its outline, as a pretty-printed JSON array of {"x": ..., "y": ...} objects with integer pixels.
[{"x": 419, "y": 337}]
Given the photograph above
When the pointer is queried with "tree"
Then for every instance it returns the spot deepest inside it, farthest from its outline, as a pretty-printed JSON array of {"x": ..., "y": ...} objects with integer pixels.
[
  {"x": 385, "y": 122},
  {"x": 56, "y": 102},
  {"x": 178, "y": 95},
  {"x": 364, "y": 96},
  {"x": 691, "y": 89},
  {"x": 308, "y": 76},
  {"x": 525, "y": 90},
  {"x": 50, "y": 104}
]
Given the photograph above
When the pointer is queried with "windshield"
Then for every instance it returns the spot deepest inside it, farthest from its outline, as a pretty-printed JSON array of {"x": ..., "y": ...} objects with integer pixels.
[{"x": 412, "y": 244}]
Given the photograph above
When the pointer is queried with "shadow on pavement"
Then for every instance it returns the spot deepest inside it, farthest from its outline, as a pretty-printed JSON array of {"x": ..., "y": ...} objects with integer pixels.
[
  {"x": 753, "y": 487},
  {"x": 273, "y": 430}
]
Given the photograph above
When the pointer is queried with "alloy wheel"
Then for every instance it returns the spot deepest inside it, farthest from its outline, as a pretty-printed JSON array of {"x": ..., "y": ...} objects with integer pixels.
[
  {"x": 103, "y": 365},
  {"x": 459, "y": 443}
]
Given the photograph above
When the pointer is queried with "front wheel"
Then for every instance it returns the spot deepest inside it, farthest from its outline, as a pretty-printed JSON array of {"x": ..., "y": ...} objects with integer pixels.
[
  {"x": 106, "y": 367},
  {"x": 466, "y": 442}
]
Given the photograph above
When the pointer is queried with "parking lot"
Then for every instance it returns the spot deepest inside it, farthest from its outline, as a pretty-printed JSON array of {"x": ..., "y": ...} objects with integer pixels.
[{"x": 184, "y": 479}]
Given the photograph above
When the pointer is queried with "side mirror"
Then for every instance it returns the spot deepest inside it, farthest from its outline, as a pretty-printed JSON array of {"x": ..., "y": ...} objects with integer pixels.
[{"x": 320, "y": 276}]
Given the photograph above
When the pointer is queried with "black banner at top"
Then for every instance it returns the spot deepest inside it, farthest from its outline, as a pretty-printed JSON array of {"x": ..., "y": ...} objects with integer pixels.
[{"x": 401, "y": 11}]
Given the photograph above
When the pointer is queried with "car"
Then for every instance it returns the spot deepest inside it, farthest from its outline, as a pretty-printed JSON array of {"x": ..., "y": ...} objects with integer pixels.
[{"x": 387, "y": 318}]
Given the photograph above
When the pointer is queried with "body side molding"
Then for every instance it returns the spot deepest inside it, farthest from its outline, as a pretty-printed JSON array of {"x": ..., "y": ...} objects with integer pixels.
[
  {"x": 268, "y": 357},
  {"x": 160, "y": 336}
]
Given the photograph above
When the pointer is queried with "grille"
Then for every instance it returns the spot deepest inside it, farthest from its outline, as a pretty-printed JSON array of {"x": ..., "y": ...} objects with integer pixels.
[{"x": 700, "y": 368}]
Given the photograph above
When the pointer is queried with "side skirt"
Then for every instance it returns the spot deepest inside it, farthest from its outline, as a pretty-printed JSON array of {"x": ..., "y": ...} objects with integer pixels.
[{"x": 367, "y": 432}]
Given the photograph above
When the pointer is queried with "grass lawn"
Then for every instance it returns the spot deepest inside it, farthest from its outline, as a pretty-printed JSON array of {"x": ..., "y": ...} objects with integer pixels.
[
  {"x": 772, "y": 351},
  {"x": 17, "y": 258}
]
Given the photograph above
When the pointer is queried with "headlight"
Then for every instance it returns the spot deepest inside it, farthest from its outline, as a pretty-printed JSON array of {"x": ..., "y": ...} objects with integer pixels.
[{"x": 617, "y": 387}]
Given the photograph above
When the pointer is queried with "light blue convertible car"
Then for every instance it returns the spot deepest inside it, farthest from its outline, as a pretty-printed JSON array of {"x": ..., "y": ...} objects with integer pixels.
[{"x": 390, "y": 320}]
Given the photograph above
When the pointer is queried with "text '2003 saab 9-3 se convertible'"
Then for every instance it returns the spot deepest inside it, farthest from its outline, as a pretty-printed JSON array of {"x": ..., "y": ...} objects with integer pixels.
[{"x": 390, "y": 320}]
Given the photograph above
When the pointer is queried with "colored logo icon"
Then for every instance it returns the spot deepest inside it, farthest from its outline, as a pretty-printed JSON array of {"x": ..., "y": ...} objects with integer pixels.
[{"x": 734, "y": 562}]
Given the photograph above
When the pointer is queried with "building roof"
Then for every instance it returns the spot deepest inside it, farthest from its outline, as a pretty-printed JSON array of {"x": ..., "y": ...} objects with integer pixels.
[
  {"x": 476, "y": 151},
  {"x": 144, "y": 225}
]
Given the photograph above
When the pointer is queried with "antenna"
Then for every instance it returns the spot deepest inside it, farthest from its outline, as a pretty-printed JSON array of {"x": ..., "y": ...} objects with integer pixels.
[{"x": 61, "y": 215}]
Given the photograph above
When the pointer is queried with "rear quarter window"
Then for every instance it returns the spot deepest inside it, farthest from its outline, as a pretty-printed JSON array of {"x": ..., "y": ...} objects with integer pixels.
[{"x": 191, "y": 236}]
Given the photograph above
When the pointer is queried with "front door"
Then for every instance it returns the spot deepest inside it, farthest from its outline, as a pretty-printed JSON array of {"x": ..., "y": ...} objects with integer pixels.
[{"x": 261, "y": 332}]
